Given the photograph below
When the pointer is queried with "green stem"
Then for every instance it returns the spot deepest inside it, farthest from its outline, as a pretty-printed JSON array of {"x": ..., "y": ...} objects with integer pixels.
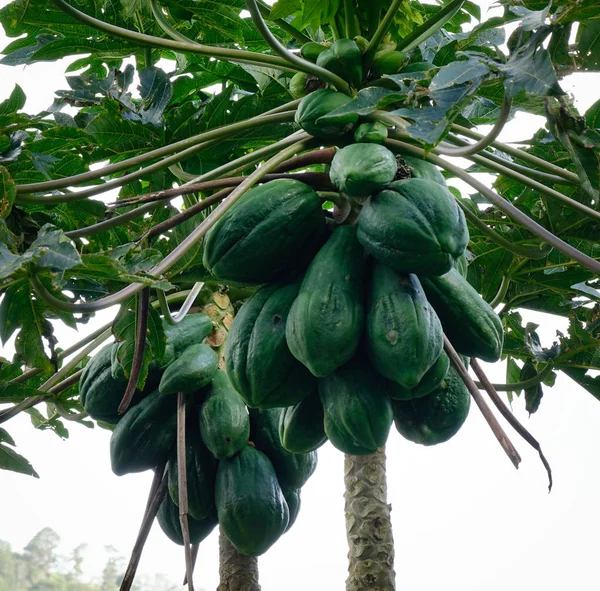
[
  {"x": 520, "y": 154},
  {"x": 185, "y": 308},
  {"x": 533, "y": 184},
  {"x": 187, "y": 146},
  {"x": 529, "y": 252},
  {"x": 505, "y": 206},
  {"x": 221, "y": 53},
  {"x": 31, "y": 373},
  {"x": 504, "y": 285},
  {"x": 484, "y": 142},
  {"x": 525, "y": 384},
  {"x": 282, "y": 24},
  {"x": 243, "y": 161},
  {"x": 178, "y": 252},
  {"x": 348, "y": 18},
  {"x": 380, "y": 33},
  {"x": 532, "y": 172},
  {"x": 290, "y": 57},
  {"x": 178, "y": 36}
]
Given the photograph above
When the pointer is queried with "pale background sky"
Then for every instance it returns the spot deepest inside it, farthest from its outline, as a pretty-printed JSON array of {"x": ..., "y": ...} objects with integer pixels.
[{"x": 463, "y": 517}]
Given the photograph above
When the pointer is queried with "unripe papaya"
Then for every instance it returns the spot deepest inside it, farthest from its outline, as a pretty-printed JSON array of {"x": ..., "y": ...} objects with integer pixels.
[
  {"x": 361, "y": 42},
  {"x": 325, "y": 322},
  {"x": 310, "y": 51},
  {"x": 389, "y": 62},
  {"x": 320, "y": 103},
  {"x": 298, "y": 85},
  {"x": 371, "y": 133},
  {"x": 343, "y": 58},
  {"x": 429, "y": 382},
  {"x": 361, "y": 170},
  {"x": 192, "y": 370}
]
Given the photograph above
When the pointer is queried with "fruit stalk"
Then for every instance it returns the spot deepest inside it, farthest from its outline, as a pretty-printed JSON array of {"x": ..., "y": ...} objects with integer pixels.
[{"x": 368, "y": 524}]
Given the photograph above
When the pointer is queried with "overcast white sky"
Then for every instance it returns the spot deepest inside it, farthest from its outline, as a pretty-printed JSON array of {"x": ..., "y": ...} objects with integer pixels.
[{"x": 463, "y": 518}]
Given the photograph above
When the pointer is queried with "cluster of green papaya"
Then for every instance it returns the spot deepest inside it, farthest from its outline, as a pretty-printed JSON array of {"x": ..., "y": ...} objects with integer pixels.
[
  {"x": 251, "y": 489},
  {"x": 355, "y": 341},
  {"x": 345, "y": 58}
]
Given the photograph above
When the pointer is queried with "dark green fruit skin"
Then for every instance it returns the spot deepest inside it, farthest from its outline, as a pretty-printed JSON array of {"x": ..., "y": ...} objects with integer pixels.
[
  {"x": 325, "y": 321},
  {"x": 461, "y": 264},
  {"x": 145, "y": 436},
  {"x": 191, "y": 330},
  {"x": 388, "y": 62},
  {"x": 293, "y": 470},
  {"x": 360, "y": 170},
  {"x": 201, "y": 473},
  {"x": 101, "y": 394},
  {"x": 343, "y": 58},
  {"x": 403, "y": 333},
  {"x": 357, "y": 409},
  {"x": 251, "y": 507},
  {"x": 193, "y": 369},
  {"x": 436, "y": 417},
  {"x": 292, "y": 498},
  {"x": 224, "y": 421},
  {"x": 168, "y": 519},
  {"x": 421, "y": 169},
  {"x": 310, "y": 51},
  {"x": 272, "y": 229},
  {"x": 430, "y": 381},
  {"x": 472, "y": 326},
  {"x": 372, "y": 133},
  {"x": 414, "y": 226},
  {"x": 257, "y": 357},
  {"x": 301, "y": 426},
  {"x": 318, "y": 104}
]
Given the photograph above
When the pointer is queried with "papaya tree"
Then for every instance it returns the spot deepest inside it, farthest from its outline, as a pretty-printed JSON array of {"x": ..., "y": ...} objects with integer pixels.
[{"x": 267, "y": 193}]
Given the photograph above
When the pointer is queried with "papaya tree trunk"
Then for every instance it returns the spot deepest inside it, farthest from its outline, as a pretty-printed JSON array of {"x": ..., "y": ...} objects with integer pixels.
[
  {"x": 368, "y": 524},
  {"x": 236, "y": 571}
]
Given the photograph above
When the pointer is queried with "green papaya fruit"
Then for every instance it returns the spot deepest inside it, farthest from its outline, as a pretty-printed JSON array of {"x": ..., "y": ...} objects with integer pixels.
[
  {"x": 298, "y": 85},
  {"x": 437, "y": 417},
  {"x": 388, "y": 62},
  {"x": 251, "y": 507},
  {"x": 403, "y": 333},
  {"x": 193, "y": 369},
  {"x": 192, "y": 329},
  {"x": 361, "y": 42},
  {"x": 472, "y": 326},
  {"x": 168, "y": 519},
  {"x": 301, "y": 426},
  {"x": 145, "y": 435},
  {"x": 362, "y": 169},
  {"x": 273, "y": 229},
  {"x": 343, "y": 58},
  {"x": 201, "y": 469},
  {"x": 224, "y": 421},
  {"x": 357, "y": 409},
  {"x": 325, "y": 322},
  {"x": 101, "y": 394},
  {"x": 320, "y": 103},
  {"x": 257, "y": 357},
  {"x": 293, "y": 470},
  {"x": 292, "y": 498},
  {"x": 371, "y": 133},
  {"x": 310, "y": 51},
  {"x": 421, "y": 169},
  {"x": 414, "y": 226},
  {"x": 429, "y": 382}
]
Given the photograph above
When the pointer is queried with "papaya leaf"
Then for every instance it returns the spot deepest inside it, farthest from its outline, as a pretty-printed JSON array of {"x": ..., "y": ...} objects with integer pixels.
[
  {"x": 15, "y": 102},
  {"x": 14, "y": 462},
  {"x": 533, "y": 395},
  {"x": 16, "y": 392}
]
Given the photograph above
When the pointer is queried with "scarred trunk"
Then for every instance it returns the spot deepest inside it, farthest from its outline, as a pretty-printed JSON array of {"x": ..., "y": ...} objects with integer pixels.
[
  {"x": 236, "y": 571},
  {"x": 368, "y": 525}
]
